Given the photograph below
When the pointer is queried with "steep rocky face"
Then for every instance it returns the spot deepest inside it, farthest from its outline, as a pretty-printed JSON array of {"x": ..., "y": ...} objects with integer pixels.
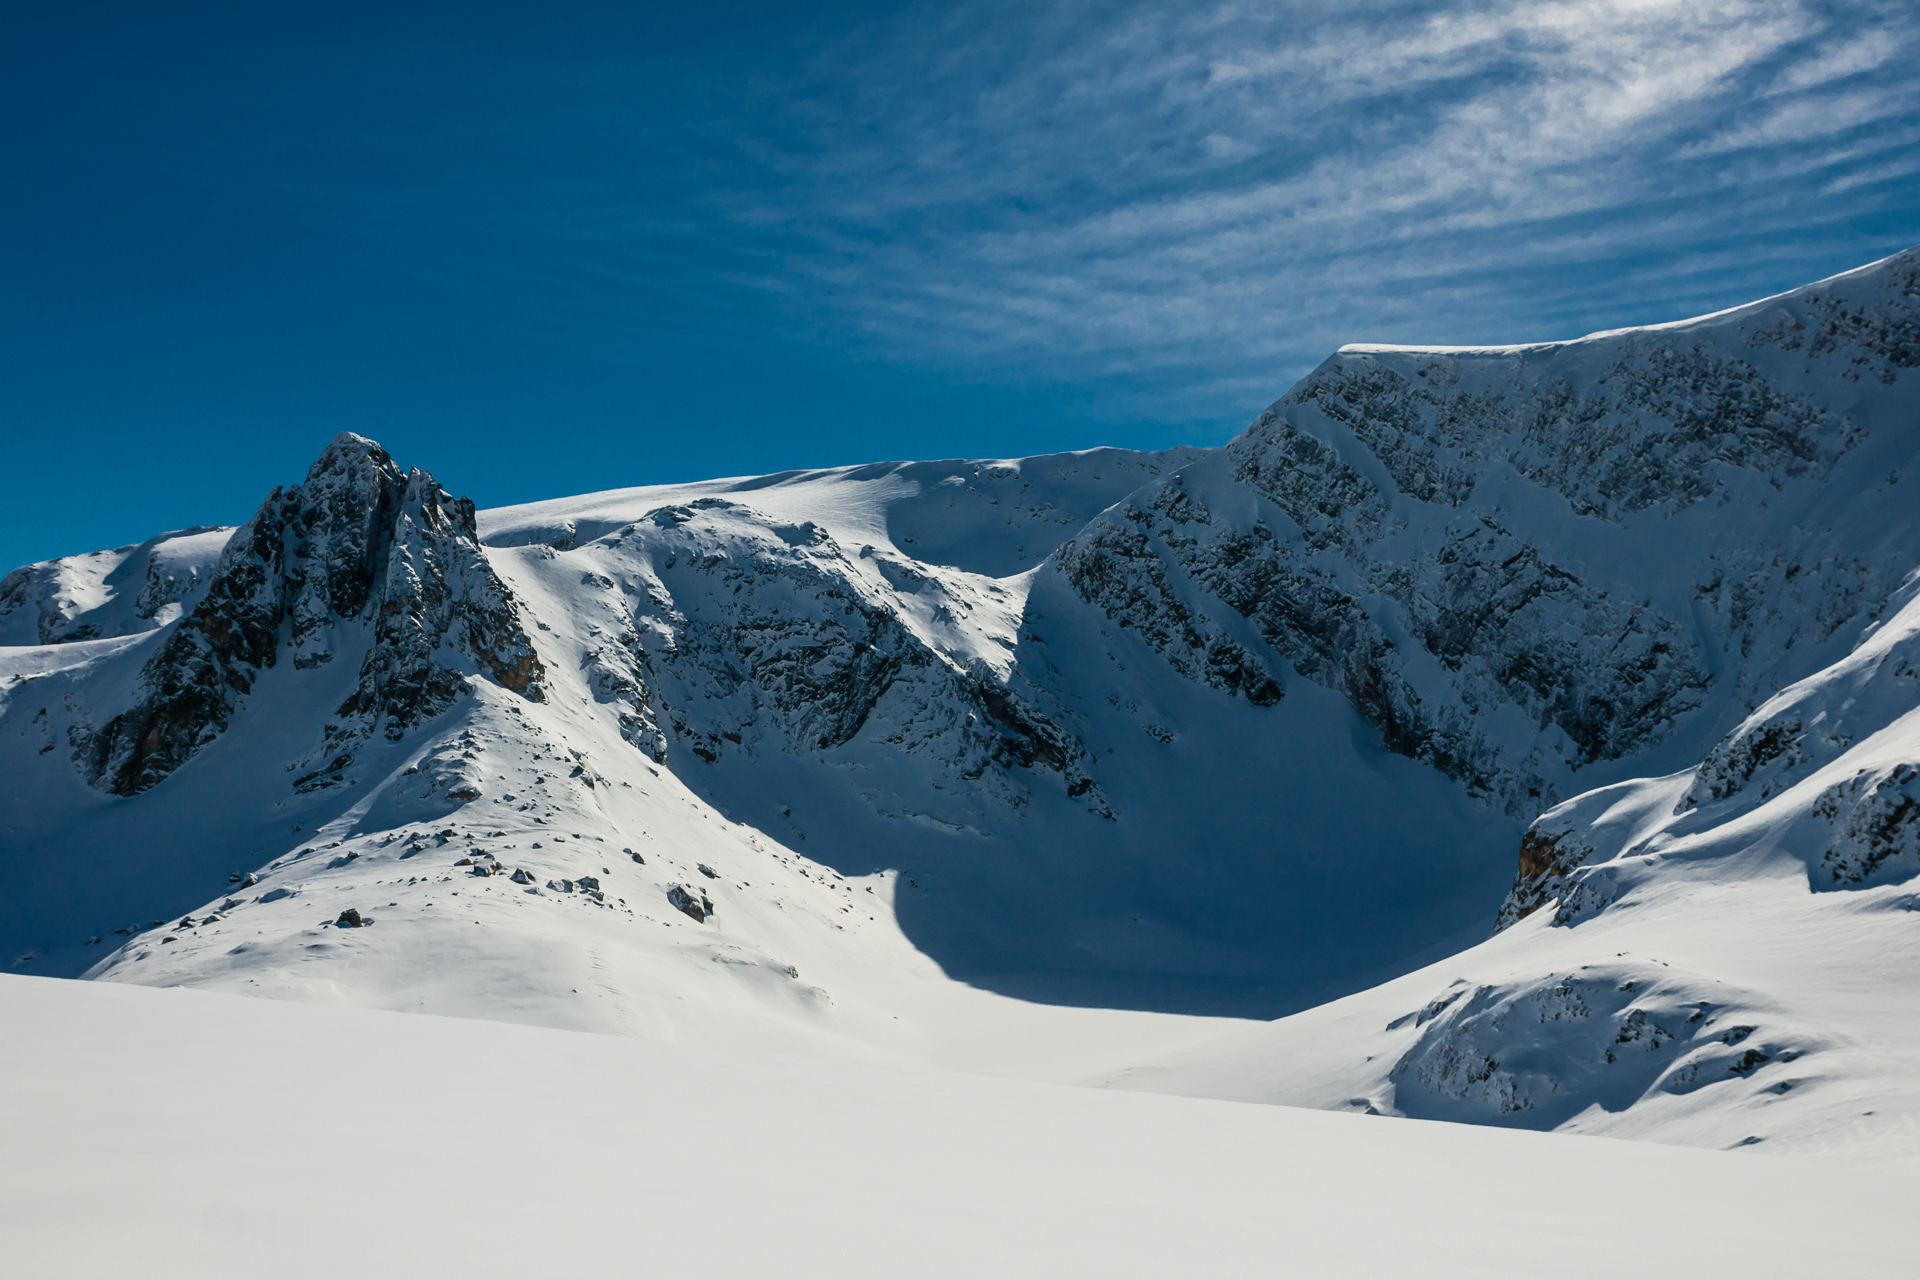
[
  {"x": 358, "y": 554},
  {"x": 1520, "y": 563},
  {"x": 1118, "y": 564},
  {"x": 1550, "y": 852},
  {"x": 438, "y": 613}
]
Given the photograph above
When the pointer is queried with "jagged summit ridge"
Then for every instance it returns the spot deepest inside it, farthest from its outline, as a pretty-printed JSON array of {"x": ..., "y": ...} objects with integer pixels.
[{"x": 357, "y": 556}]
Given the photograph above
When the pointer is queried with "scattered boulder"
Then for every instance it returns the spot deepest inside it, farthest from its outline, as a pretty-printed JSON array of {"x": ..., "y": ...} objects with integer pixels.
[
  {"x": 520, "y": 876},
  {"x": 690, "y": 901},
  {"x": 350, "y": 919},
  {"x": 636, "y": 857},
  {"x": 709, "y": 872}
]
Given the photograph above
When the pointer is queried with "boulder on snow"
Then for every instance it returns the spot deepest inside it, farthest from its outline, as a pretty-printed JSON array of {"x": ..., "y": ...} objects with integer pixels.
[
  {"x": 350, "y": 919},
  {"x": 690, "y": 901}
]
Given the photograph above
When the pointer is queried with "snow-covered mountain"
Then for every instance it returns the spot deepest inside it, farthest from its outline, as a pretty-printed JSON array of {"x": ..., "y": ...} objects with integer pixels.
[
  {"x": 1022, "y": 765},
  {"x": 1725, "y": 954}
]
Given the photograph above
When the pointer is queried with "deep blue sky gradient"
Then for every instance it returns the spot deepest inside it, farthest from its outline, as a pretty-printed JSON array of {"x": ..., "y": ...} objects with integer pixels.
[{"x": 543, "y": 249}]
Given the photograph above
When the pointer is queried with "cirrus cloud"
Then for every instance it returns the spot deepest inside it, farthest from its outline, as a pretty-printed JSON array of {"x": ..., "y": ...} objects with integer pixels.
[{"x": 1193, "y": 206}]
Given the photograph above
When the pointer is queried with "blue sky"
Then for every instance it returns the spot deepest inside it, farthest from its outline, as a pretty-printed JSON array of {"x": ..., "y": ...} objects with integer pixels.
[{"x": 542, "y": 249}]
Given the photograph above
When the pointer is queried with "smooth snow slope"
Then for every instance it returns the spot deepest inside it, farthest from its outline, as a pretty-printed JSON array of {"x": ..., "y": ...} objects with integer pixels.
[{"x": 188, "y": 1134}]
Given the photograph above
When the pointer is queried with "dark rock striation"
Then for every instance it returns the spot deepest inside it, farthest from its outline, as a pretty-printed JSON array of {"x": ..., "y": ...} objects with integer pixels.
[
  {"x": 724, "y": 629},
  {"x": 1517, "y": 563}
]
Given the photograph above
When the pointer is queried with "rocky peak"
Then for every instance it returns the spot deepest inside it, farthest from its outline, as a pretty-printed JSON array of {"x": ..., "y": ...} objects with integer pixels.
[
  {"x": 336, "y": 523},
  {"x": 358, "y": 556}
]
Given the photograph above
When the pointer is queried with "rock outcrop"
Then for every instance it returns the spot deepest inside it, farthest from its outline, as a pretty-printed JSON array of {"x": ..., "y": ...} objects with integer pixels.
[
  {"x": 358, "y": 559},
  {"x": 725, "y": 630}
]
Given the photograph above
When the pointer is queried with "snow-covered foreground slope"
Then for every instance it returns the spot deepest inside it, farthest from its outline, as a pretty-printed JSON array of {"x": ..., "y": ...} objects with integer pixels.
[
  {"x": 198, "y": 1135},
  {"x": 1042, "y": 766}
]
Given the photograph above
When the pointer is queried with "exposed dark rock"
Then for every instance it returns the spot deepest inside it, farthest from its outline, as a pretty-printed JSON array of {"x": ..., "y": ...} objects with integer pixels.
[
  {"x": 1378, "y": 553},
  {"x": 759, "y": 631},
  {"x": 690, "y": 901},
  {"x": 1880, "y": 833},
  {"x": 1547, "y": 859},
  {"x": 357, "y": 553}
]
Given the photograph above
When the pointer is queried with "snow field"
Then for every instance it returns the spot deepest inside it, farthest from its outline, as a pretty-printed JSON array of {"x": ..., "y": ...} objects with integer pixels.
[{"x": 185, "y": 1133}]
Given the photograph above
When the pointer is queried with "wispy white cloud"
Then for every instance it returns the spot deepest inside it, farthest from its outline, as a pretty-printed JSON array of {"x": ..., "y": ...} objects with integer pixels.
[
  {"x": 1848, "y": 56},
  {"x": 1191, "y": 203}
]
